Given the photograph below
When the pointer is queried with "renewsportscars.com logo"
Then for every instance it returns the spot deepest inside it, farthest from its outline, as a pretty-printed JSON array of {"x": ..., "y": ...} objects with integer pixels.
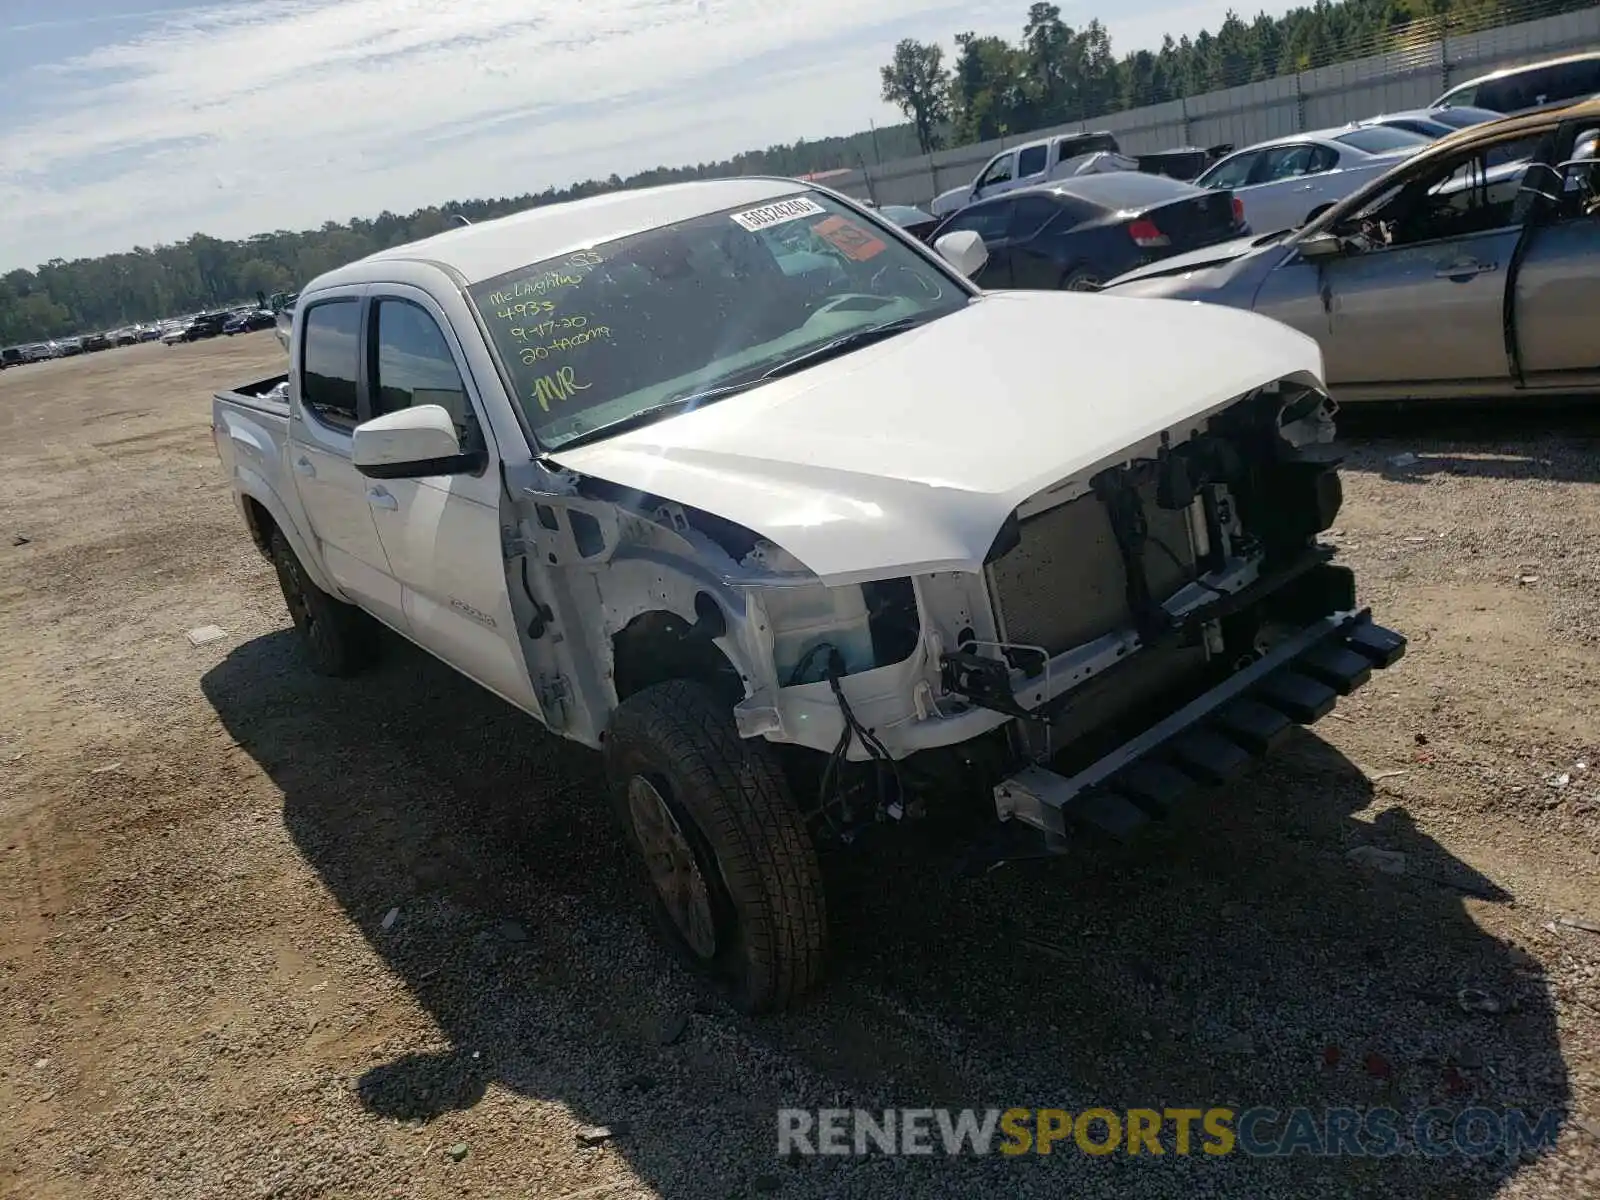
[{"x": 1258, "y": 1132}]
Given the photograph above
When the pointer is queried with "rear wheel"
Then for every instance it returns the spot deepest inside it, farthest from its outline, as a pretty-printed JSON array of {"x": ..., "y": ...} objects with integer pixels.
[
  {"x": 1081, "y": 279},
  {"x": 339, "y": 639},
  {"x": 729, "y": 871}
]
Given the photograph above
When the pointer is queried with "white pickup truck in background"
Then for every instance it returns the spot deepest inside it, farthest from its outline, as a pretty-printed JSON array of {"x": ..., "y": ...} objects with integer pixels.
[
  {"x": 1037, "y": 162},
  {"x": 806, "y": 551}
]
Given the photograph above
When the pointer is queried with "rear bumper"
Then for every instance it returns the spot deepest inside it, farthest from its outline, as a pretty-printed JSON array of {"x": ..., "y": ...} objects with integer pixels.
[{"x": 1210, "y": 739}]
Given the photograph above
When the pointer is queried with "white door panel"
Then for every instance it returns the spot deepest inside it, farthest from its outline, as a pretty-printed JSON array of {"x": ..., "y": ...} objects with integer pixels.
[
  {"x": 333, "y": 494},
  {"x": 444, "y": 545},
  {"x": 441, "y": 533}
]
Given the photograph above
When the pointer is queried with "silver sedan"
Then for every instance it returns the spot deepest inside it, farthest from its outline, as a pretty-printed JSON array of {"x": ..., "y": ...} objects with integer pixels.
[{"x": 1473, "y": 269}]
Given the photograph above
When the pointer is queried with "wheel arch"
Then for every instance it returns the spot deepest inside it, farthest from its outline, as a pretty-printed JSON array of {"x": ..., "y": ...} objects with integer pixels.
[
  {"x": 660, "y": 645},
  {"x": 264, "y": 514}
]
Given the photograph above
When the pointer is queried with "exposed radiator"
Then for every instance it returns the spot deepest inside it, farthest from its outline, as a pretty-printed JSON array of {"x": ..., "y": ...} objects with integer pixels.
[{"x": 1064, "y": 585}]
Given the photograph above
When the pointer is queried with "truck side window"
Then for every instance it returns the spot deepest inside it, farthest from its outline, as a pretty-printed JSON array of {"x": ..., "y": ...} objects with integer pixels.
[
  {"x": 999, "y": 172},
  {"x": 1030, "y": 160},
  {"x": 412, "y": 364},
  {"x": 328, "y": 361}
]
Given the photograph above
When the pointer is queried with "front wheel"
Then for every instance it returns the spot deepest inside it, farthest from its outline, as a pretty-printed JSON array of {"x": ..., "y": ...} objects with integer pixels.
[
  {"x": 731, "y": 875},
  {"x": 339, "y": 639}
]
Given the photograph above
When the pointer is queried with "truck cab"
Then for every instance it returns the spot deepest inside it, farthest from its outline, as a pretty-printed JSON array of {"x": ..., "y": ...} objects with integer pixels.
[{"x": 1035, "y": 162}]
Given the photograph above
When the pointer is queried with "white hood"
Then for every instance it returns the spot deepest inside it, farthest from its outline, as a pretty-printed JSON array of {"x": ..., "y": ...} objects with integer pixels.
[{"x": 907, "y": 456}]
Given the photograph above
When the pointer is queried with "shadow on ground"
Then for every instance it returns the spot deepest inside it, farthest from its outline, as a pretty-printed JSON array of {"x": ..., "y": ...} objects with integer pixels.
[
  {"x": 1552, "y": 439},
  {"x": 1235, "y": 958}
]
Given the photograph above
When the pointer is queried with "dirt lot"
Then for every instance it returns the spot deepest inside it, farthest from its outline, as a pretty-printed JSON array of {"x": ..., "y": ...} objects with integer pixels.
[{"x": 202, "y": 995}]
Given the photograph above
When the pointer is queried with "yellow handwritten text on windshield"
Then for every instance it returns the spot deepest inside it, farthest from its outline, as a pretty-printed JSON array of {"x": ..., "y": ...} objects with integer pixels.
[
  {"x": 584, "y": 337},
  {"x": 560, "y": 384}
]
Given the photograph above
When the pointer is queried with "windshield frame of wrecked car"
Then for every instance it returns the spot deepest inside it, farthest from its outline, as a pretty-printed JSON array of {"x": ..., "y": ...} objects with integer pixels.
[{"x": 691, "y": 311}]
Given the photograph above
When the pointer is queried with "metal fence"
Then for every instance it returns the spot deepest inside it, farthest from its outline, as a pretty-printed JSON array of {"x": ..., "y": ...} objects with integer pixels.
[{"x": 1411, "y": 77}]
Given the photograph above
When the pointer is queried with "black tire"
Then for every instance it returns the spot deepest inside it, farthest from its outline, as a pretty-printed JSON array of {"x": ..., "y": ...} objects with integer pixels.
[
  {"x": 338, "y": 639},
  {"x": 731, "y": 806},
  {"x": 1081, "y": 279}
]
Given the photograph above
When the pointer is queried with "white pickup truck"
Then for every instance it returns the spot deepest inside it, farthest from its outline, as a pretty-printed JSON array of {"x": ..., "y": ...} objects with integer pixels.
[
  {"x": 1037, "y": 162},
  {"x": 806, "y": 551}
]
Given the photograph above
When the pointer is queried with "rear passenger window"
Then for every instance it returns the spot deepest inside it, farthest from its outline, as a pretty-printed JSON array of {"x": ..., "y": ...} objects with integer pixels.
[
  {"x": 412, "y": 365},
  {"x": 1030, "y": 215},
  {"x": 1031, "y": 160},
  {"x": 988, "y": 221},
  {"x": 330, "y": 354},
  {"x": 1284, "y": 162},
  {"x": 1573, "y": 81}
]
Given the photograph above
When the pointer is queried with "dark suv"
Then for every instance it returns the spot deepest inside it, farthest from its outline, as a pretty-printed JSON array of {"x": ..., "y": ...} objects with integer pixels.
[
  {"x": 206, "y": 325},
  {"x": 1537, "y": 85}
]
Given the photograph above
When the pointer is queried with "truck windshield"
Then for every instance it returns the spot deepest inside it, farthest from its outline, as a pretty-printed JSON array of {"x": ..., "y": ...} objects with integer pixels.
[{"x": 609, "y": 334}]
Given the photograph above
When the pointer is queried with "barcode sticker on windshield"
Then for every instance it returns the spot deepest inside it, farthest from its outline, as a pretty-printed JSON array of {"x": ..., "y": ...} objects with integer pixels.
[{"x": 757, "y": 219}]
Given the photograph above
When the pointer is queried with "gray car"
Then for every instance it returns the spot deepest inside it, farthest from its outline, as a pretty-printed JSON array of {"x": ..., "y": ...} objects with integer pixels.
[
  {"x": 1435, "y": 122},
  {"x": 1473, "y": 269}
]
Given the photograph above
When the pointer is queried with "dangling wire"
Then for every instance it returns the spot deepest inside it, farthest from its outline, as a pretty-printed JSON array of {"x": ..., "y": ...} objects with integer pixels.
[{"x": 876, "y": 751}]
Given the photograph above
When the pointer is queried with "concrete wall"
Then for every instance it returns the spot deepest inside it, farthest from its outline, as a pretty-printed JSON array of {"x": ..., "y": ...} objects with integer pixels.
[{"x": 1331, "y": 95}]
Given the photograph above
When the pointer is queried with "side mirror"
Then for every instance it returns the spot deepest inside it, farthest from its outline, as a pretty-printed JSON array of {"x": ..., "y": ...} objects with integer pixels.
[
  {"x": 964, "y": 250},
  {"x": 411, "y": 443},
  {"x": 1321, "y": 245}
]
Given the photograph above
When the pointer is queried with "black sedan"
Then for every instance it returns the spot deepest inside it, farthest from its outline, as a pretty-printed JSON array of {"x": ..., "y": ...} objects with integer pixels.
[
  {"x": 249, "y": 321},
  {"x": 1076, "y": 233},
  {"x": 913, "y": 220}
]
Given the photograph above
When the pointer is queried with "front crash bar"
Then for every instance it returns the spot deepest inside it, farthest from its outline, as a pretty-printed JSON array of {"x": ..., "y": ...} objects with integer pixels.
[{"x": 1294, "y": 682}]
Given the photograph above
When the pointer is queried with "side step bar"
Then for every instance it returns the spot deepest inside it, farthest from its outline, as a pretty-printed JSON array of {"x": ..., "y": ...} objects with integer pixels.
[{"x": 1209, "y": 740}]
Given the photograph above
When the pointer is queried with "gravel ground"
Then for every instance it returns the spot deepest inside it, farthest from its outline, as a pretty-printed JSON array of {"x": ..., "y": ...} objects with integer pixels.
[{"x": 270, "y": 935}]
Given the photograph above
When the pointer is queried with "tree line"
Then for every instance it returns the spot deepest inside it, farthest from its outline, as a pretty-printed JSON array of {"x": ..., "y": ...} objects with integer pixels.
[{"x": 1054, "y": 75}]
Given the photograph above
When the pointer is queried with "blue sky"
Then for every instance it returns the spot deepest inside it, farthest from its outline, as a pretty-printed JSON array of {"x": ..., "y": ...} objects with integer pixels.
[{"x": 133, "y": 122}]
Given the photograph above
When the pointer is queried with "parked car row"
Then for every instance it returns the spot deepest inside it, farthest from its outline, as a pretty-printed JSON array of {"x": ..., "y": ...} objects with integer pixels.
[
  {"x": 1468, "y": 268},
  {"x": 183, "y": 329},
  {"x": 1282, "y": 183}
]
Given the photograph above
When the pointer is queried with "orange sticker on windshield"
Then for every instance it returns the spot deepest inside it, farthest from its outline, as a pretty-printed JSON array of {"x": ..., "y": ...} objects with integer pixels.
[{"x": 849, "y": 238}]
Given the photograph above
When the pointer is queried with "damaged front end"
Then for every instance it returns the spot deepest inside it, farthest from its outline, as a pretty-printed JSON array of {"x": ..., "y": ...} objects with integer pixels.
[
  {"x": 1133, "y": 635},
  {"x": 1175, "y": 618},
  {"x": 1133, "y": 632}
]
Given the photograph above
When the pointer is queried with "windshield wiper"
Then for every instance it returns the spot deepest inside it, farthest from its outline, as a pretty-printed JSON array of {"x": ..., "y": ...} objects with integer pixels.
[
  {"x": 650, "y": 416},
  {"x": 843, "y": 344},
  {"x": 677, "y": 404}
]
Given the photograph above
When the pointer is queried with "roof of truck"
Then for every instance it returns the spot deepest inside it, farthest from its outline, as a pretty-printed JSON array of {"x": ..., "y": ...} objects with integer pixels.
[{"x": 482, "y": 251}]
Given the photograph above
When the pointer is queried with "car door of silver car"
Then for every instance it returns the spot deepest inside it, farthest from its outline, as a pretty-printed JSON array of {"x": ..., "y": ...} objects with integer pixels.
[
  {"x": 1418, "y": 308},
  {"x": 1557, "y": 290}
]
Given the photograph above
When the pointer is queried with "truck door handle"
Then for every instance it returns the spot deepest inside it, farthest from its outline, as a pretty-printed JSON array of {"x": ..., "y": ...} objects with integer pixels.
[
  {"x": 304, "y": 466},
  {"x": 1460, "y": 272},
  {"x": 383, "y": 498}
]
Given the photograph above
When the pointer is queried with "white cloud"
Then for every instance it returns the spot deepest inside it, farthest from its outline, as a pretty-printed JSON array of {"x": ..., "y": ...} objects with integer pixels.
[{"x": 283, "y": 115}]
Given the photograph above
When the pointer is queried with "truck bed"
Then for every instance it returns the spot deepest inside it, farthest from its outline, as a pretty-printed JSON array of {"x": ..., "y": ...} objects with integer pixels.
[
  {"x": 250, "y": 428},
  {"x": 260, "y": 396}
]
